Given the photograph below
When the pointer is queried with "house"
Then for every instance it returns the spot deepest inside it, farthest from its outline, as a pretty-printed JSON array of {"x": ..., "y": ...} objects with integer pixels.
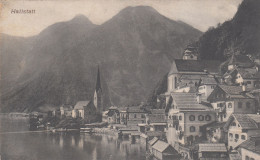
[
  {"x": 113, "y": 115},
  {"x": 191, "y": 70},
  {"x": 240, "y": 61},
  {"x": 66, "y": 110},
  {"x": 250, "y": 149},
  {"x": 212, "y": 151},
  {"x": 243, "y": 76},
  {"x": 186, "y": 117},
  {"x": 151, "y": 143},
  {"x": 240, "y": 127},
  {"x": 104, "y": 116},
  {"x": 164, "y": 151},
  {"x": 206, "y": 86},
  {"x": 123, "y": 115},
  {"x": 84, "y": 110},
  {"x": 231, "y": 99},
  {"x": 157, "y": 120},
  {"x": 215, "y": 132},
  {"x": 136, "y": 115}
]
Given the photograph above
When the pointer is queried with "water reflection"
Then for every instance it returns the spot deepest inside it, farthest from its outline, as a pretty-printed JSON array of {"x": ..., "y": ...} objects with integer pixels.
[{"x": 42, "y": 146}]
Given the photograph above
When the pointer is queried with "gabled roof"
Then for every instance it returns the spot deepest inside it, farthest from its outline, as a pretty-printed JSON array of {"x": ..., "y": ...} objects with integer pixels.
[
  {"x": 212, "y": 147},
  {"x": 246, "y": 121},
  {"x": 234, "y": 91},
  {"x": 251, "y": 144},
  {"x": 241, "y": 61},
  {"x": 187, "y": 101},
  {"x": 160, "y": 146},
  {"x": 153, "y": 141},
  {"x": 180, "y": 65},
  {"x": 81, "y": 104}
]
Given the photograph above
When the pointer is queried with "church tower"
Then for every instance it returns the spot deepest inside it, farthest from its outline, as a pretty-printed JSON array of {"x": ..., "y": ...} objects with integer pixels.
[{"x": 98, "y": 102}]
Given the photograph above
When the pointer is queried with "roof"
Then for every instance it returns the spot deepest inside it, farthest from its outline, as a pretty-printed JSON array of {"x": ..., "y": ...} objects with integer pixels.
[
  {"x": 81, "y": 104},
  {"x": 157, "y": 118},
  {"x": 234, "y": 91},
  {"x": 157, "y": 111},
  {"x": 215, "y": 125},
  {"x": 160, "y": 146},
  {"x": 154, "y": 140},
  {"x": 208, "y": 80},
  {"x": 212, "y": 147},
  {"x": 246, "y": 121},
  {"x": 180, "y": 65},
  {"x": 136, "y": 110},
  {"x": 187, "y": 100},
  {"x": 251, "y": 145},
  {"x": 241, "y": 61}
]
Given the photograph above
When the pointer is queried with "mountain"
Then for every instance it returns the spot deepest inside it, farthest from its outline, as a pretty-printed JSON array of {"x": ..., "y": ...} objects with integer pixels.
[
  {"x": 241, "y": 34},
  {"x": 133, "y": 49}
]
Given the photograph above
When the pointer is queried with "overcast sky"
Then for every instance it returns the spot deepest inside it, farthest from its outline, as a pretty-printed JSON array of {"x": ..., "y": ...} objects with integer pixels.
[{"x": 201, "y": 14}]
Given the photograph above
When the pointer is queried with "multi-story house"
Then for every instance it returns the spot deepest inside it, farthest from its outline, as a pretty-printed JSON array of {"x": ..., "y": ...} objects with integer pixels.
[
  {"x": 231, "y": 99},
  {"x": 136, "y": 115},
  {"x": 186, "y": 117},
  {"x": 243, "y": 76},
  {"x": 113, "y": 115},
  {"x": 240, "y": 127},
  {"x": 250, "y": 149},
  {"x": 206, "y": 86}
]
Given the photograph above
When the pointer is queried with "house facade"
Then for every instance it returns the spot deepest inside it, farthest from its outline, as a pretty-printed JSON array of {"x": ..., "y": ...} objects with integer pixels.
[
  {"x": 136, "y": 115},
  {"x": 240, "y": 127},
  {"x": 250, "y": 149},
  {"x": 186, "y": 117},
  {"x": 84, "y": 110},
  {"x": 227, "y": 100}
]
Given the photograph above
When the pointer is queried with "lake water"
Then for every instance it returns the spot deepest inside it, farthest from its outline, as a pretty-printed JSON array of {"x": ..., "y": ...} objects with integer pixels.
[{"x": 16, "y": 143}]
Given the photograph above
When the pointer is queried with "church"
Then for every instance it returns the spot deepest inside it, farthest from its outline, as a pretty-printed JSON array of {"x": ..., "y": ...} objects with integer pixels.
[{"x": 89, "y": 110}]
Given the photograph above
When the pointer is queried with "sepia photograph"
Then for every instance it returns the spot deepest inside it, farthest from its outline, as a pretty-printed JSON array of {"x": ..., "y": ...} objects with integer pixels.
[{"x": 129, "y": 80}]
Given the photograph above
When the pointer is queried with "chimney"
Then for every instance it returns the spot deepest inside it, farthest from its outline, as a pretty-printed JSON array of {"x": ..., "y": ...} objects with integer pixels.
[
  {"x": 243, "y": 87},
  {"x": 198, "y": 97}
]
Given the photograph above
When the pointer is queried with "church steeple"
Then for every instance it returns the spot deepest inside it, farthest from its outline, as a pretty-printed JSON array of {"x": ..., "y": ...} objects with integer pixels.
[
  {"x": 98, "y": 83},
  {"x": 98, "y": 98}
]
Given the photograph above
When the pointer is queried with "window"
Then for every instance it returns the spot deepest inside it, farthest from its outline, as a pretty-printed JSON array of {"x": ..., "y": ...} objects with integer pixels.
[
  {"x": 248, "y": 104},
  {"x": 236, "y": 136},
  {"x": 243, "y": 137},
  {"x": 180, "y": 128},
  {"x": 192, "y": 118},
  {"x": 134, "y": 115},
  {"x": 142, "y": 116},
  {"x": 239, "y": 104},
  {"x": 208, "y": 118},
  {"x": 229, "y": 105},
  {"x": 180, "y": 118},
  {"x": 225, "y": 115},
  {"x": 174, "y": 117},
  {"x": 201, "y": 117},
  {"x": 192, "y": 129},
  {"x": 230, "y": 135},
  {"x": 233, "y": 124},
  {"x": 248, "y": 82},
  {"x": 247, "y": 158}
]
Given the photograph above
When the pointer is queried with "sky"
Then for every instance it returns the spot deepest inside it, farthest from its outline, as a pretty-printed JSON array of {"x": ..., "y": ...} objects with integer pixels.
[{"x": 200, "y": 14}]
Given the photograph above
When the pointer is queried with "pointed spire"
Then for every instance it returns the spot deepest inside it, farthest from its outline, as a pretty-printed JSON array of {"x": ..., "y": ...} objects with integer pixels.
[{"x": 98, "y": 82}]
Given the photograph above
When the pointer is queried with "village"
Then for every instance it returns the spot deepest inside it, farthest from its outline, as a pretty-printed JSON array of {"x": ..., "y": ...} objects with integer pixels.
[{"x": 204, "y": 114}]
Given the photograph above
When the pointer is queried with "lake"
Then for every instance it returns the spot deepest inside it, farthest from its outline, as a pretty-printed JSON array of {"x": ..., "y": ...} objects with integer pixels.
[{"x": 17, "y": 143}]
